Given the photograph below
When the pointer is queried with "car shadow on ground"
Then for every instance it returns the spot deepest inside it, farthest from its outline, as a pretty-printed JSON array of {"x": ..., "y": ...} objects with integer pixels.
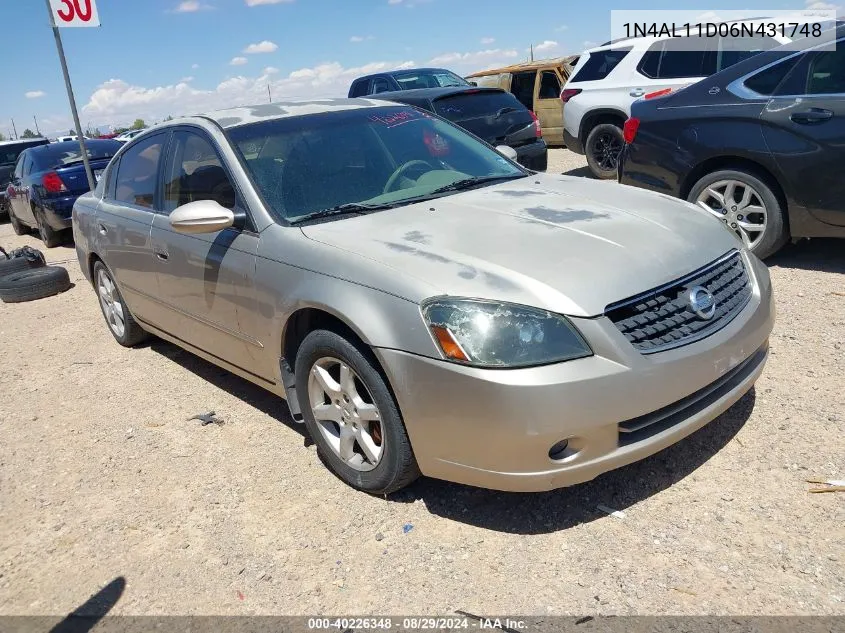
[
  {"x": 582, "y": 172},
  {"x": 821, "y": 254},
  {"x": 263, "y": 400},
  {"x": 541, "y": 513},
  {"x": 86, "y": 616}
]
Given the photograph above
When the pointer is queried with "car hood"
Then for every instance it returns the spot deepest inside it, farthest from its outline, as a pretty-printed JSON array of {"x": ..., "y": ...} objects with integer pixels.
[{"x": 569, "y": 245}]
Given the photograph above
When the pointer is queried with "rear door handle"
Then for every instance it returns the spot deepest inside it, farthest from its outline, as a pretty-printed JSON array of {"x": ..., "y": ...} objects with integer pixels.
[
  {"x": 813, "y": 115},
  {"x": 162, "y": 254}
]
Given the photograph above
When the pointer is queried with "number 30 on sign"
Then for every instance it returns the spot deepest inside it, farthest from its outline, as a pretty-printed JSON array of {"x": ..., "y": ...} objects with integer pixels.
[{"x": 75, "y": 12}]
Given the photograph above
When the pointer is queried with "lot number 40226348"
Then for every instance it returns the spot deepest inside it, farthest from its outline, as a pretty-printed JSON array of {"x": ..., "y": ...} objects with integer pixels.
[{"x": 75, "y": 12}]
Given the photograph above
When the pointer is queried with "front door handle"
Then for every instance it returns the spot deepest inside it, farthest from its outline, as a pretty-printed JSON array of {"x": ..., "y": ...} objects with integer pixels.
[
  {"x": 637, "y": 92},
  {"x": 103, "y": 230},
  {"x": 162, "y": 254},
  {"x": 811, "y": 116}
]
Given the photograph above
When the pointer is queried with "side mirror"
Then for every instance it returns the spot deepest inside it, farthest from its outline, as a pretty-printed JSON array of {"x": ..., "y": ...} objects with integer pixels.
[
  {"x": 202, "y": 216},
  {"x": 507, "y": 151}
]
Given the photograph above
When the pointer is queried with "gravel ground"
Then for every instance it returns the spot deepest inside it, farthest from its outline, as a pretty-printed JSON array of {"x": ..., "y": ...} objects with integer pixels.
[{"x": 103, "y": 477}]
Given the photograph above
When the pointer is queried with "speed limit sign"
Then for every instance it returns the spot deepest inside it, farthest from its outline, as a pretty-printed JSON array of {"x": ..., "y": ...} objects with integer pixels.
[{"x": 75, "y": 12}]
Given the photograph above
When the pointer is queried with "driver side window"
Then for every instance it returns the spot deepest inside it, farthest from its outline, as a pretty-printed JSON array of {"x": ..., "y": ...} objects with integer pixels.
[{"x": 195, "y": 172}]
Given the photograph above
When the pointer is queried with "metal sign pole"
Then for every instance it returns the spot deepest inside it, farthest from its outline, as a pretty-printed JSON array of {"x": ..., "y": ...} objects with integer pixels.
[{"x": 70, "y": 97}]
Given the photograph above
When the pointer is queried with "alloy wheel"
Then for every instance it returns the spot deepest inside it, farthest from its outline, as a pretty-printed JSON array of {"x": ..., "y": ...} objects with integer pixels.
[
  {"x": 606, "y": 151},
  {"x": 740, "y": 206},
  {"x": 345, "y": 413},
  {"x": 110, "y": 302}
]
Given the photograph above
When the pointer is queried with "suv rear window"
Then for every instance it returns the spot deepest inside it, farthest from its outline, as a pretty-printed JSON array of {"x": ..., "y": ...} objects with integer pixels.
[
  {"x": 9, "y": 152},
  {"x": 472, "y": 105},
  {"x": 600, "y": 64}
]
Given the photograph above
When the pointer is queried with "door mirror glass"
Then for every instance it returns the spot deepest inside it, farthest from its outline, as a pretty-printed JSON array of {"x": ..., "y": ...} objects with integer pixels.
[
  {"x": 203, "y": 216},
  {"x": 507, "y": 151}
]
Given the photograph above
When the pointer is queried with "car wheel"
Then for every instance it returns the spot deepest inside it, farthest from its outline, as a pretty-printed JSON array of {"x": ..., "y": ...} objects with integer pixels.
[
  {"x": 48, "y": 235},
  {"x": 37, "y": 283},
  {"x": 746, "y": 204},
  {"x": 122, "y": 325},
  {"x": 603, "y": 148},
  {"x": 17, "y": 226},
  {"x": 352, "y": 416}
]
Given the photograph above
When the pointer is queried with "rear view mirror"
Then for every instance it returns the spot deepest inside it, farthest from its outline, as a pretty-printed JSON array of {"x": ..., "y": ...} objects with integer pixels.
[
  {"x": 507, "y": 151},
  {"x": 202, "y": 216}
]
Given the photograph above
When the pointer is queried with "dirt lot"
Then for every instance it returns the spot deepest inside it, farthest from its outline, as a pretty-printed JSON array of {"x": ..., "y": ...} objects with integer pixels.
[{"x": 102, "y": 477}]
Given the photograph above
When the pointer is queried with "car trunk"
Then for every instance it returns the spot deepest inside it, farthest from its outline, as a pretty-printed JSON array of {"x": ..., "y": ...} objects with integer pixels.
[
  {"x": 493, "y": 115},
  {"x": 74, "y": 178}
]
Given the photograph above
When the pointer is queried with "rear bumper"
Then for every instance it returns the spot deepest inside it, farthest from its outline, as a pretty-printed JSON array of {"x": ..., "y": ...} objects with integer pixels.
[
  {"x": 572, "y": 143},
  {"x": 534, "y": 156},
  {"x": 495, "y": 428},
  {"x": 647, "y": 167},
  {"x": 58, "y": 212}
]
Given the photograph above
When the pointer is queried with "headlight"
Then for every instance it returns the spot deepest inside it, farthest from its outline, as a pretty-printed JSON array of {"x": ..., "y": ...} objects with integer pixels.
[{"x": 492, "y": 334}]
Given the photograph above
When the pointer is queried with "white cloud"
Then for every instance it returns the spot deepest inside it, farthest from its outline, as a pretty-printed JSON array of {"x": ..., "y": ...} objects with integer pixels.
[
  {"x": 255, "y": 3},
  {"x": 261, "y": 47},
  {"x": 357, "y": 39},
  {"x": 186, "y": 80},
  {"x": 477, "y": 60},
  {"x": 822, "y": 6},
  {"x": 35, "y": 94},
  {"x": 547, "y": 45},
  {"x": 562, "y": 27},
  {"x": 116, "y": 100},
  {"x": 194, "y": 66},
  {"x": 190, "y": 6},
  {"x": 487, "y": 40},
  {"x": 270, "y": 70},
  {"x": 238, "y": 61}
]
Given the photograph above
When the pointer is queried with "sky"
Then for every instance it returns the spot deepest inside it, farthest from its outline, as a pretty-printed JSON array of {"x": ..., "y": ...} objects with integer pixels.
[{"x": 154, "y": 58}]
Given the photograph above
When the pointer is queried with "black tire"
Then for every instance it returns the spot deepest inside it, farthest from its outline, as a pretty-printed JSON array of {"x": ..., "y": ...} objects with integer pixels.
[
  {"x": 37, "y": 283},
  {"x": 16, "y": 264},
  {"x": 603, "y": 147},
  {"x": 397, "y": 467},
  {"x": 51, "y": 237},
  {"x": 133, "y": 334},
  {"x": 17, "y": 226},
  {"x": 776, "y": 233}
]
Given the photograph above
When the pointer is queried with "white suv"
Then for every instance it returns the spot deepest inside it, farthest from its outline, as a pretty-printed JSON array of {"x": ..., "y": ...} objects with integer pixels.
[{"x": 608, "y": 79}]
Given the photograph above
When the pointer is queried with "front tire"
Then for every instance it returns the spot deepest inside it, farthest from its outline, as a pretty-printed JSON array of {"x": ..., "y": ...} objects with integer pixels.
[
  {"x": 352, "y": 415},
  {"x": 122, "y": 324},
  {"x": 603, "y": 149},
  {"x": 747, "y": 204}
]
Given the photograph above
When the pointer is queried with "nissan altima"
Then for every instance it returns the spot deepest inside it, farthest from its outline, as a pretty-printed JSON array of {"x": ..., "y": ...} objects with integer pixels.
[{"x": 423, "y": 303}]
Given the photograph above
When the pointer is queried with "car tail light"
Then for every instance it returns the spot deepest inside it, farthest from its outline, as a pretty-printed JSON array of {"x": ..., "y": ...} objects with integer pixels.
[
  {"x": 629, "y": 130},
  {"x": 538, "y": 130},
  {"x": 659, "y": 93},
  {"x": 568, "y": 93},
  {"x": 53, "y": 183}
]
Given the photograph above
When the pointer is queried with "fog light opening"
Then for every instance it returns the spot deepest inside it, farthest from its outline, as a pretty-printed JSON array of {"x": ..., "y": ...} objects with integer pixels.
[{"x": 559, "y": 451}]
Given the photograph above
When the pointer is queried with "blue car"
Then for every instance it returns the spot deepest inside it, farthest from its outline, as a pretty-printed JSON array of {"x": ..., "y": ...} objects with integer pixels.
[{"x": 46, "y": 182}]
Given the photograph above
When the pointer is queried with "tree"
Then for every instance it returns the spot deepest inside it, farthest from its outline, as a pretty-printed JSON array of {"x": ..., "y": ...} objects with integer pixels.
[
  {"x": 120, "y": 130},
  {"x": 139, "y": 124},
  {"x": 71, "y": 133},
  {"x": 27, "y": 133}
]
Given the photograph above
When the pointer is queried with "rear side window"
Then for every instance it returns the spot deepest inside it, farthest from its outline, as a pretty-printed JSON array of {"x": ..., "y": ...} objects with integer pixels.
[
  {"x": 600, "y": 64},
  {"x": 522, "y": 87},
  {"x": 827, "y": 72},
  {"x": 668, "y": 59},
  {"x": 473, "y": 105},
  {"x": 733, "y": 50},
  {"x": 766, "y": 82},
  {"x": 549, "y": 85},
  {"x": 138, "y": 172},
  {"x": 359, "y": 88}
]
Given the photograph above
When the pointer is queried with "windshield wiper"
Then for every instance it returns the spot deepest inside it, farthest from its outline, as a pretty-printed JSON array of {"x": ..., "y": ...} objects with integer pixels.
[
  {"x": 469, "y": 183},
  {"x": 342, "y": 209}
]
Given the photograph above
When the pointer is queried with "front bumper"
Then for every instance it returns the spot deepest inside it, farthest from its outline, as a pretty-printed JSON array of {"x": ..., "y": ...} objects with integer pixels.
[
  {"x": 494, "y": 428},
  {"x": 534, "y": 156}
]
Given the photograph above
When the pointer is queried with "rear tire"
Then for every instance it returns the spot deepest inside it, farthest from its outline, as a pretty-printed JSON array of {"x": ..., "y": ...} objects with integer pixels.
[
  {"x": 29, "y": 285},
  {"x": 603, "y": 148},
  {"x": 48, "y": 234},
  {"x": 370, "y": 414},
  {"x": 122, "y": 324}
]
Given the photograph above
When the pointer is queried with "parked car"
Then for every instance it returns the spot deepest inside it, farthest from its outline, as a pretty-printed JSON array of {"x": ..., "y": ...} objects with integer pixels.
[
  {"x": 424, "y": 304},
  {"x": 760, "y": 145},
  {"x": 409, "y": 79},
  {"x": 67, "y": 139},
  {"x": 537, "y": 85},
  {"x": 46, "y": 182},
  {"x": 129, "y": 135},
  {"x": 491, "y": 114},
  {"x": 597, "y": 99},
  {"x": 9, "y": 152}
]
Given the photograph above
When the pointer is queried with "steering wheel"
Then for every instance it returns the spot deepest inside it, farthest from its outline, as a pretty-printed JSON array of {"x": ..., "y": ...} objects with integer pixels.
[{"x": 396, "y": 175}]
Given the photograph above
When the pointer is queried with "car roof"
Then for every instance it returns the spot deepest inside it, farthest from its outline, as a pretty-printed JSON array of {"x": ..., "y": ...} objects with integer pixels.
[
  {"x": 434, "y": 93},
  {"x": 233, "y": 117},
  {"x": 396, "y": 71},
  {"x": 569, "y": 60},
  {"x": 22, "y": 141}
]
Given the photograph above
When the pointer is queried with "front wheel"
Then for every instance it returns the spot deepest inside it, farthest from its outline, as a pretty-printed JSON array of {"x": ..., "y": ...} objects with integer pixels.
[
  {"x": 122, "y": 324},
  {"x": 352, "y": 416},
  {"x": 747, "y": 205},
  {"x": 603, "y": 149}
]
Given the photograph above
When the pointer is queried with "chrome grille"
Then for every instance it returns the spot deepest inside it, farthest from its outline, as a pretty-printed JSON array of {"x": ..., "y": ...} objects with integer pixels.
[{"x": 663, "y": 318}]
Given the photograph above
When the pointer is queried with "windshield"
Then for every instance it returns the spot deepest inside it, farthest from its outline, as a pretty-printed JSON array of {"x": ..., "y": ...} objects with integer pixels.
[
  {"x": 367, "y": 156},
  {"x": 428, "y": 79},
  {"x": 61, "y": 154}
]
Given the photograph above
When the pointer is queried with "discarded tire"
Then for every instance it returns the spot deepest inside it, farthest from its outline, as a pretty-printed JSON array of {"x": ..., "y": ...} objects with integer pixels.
[
  {"x": 37, "y": 283},
  {"x": 16, "y": 264}
]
